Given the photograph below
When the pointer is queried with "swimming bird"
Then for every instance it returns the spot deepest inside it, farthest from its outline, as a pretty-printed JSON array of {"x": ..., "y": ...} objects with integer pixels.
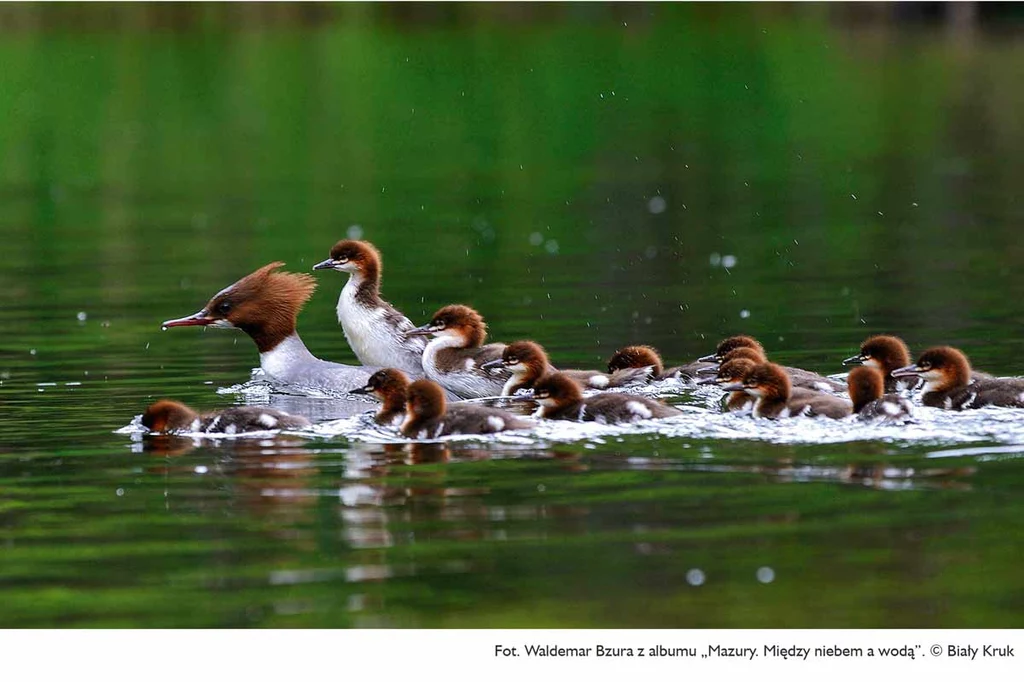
[
  {"x": 427, "y": 415},
  {"x": 375, "y": 330},
  {"x": 170, "y": 416},
  {"x": 648, "y": 356},
  {"x": 870, "y": 403},
  {"x": 799, "y": 378},
  {"x": 946, "y": 372},
  {"x": 528, "y": 362},
  {"x": 884, "y": 353},
  {"x": 453, "y": 358},
  {"x": 730, "y": 378},
  {"x": 265, "y": 305},
  {"x": 560, "y": 398},
  {"x": 775, "y": 397}
]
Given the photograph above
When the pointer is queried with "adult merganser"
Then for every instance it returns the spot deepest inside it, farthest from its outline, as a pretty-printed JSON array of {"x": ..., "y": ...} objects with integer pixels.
[
  {"x": 375, "y": 330},
  {"x": 170, "y": 416},
  {"x": 866, "y": 390},
  {"x": 427, "y": 416},
  {"x": 799, "y": 378},
  {"x": 648, "y": 356},
  {"x": 730, "y": 378},
  {"x": 769, "y": 384},
  {"x": 454, "y": 357},
  {"x": 560, "y": 398},
  {"x": 946, "y": 373},
  {"x": 265, "y": 304},
  {"x": 528, "y": 362}
]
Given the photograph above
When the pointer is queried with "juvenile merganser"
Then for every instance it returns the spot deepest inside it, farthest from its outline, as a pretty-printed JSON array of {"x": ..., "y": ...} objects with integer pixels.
[
  {"x": 799, "y": 378},
  {"x": 427, "y": 416},
  {"x": 265, "y": 304},
  {"x": 769, "y": 384},
  {"x": 946, "y": 373},
  {"x": 528, "y": 362},
  {"x": 560, "y": 398},
  {"x": 869, "y": 403},
  {"x": 375, "y": 330},
  {"x": 741, "y": 353},
  {"x": 170, "y": 416},
  {"x": 391, "y": 387},
  {"x": 730, "y": 378},
  {"x": 453, "y": 358},
  {"x": 884, "y": 353},
  {"x": 648, "y": 356}
]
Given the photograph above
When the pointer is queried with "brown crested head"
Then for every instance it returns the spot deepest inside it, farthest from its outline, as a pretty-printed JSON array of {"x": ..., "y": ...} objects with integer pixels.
[
  {"x": 741, "y": 341},
  {"x": 263, "y": 304},
  {"x": 768, "y": 380},
  {"x": 168, "y": 415},
  {"x": 735, "y": 370},
  {"x": 524, "y": 353},
  {"x": 945, "y": 366},
  {"x": 635, "y": 357},
  {"x": 461, "y": 320},
  {"x": 865, "y": 384},
  {"x": 884, "y": 352},
  {"x": 424, "y": 399},
  {"x": 557, "y": 388},
  {"x": 350, "y": 255},
  {"x": 745, "y": 353},
  {"x": 387, "y": 383}
]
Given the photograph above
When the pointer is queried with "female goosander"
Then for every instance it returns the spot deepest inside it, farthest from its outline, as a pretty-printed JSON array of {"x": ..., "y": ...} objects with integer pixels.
[
  {"x": 947, "y": 382},
  {"x": 391, "y": 387},
  {"x": 647, "y": 356},
  {"x": 169, "y": 416},
  {"x": 265, "y": 304},
  {"x": 769, "y": 384},
  {"x": 560, "y": 398},
  {"x": 528, "y": 362},
  {"x": 866, "y": 390},
  {"x": 454, "y": 357},
  {"x": 799, "y": 378},
  {"x": 427, "y": 416},
  {"x": 374, "y": 329},
  {"x": 730, "y": 378}
]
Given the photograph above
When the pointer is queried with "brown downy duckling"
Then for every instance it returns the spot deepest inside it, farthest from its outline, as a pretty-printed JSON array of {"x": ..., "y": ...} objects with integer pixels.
[
  {"x": 391, "y": 387},
  {"x": 731, "y": 374},
  {"x": 869, "y": 403},
  {"x": 776, "y": 398},
  {"x": 528, "y": 362},
  {"x": 170, "y": 416},
  {"x": 375, "y": 330},
  {"x": 427, "y": 415},
  {"x": 560, "y": 398},
  {"x": 636, "y": 357},
  {"x": 454, "y": 357},
  {"x": 946, "y": 372},
  {"x": 799, "y": 378}
]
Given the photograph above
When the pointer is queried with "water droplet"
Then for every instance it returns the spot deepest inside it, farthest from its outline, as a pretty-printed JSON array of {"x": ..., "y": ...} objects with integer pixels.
[
  {"x": 695, "y": 577},
  {"x": 715, "y": 259},
  {"x": 32, "y": 351},
  {"x": 729, "y": 261},
  {"x": 657, "y": 204},
  {"x": 744, "y": 314},
  {"x": 82, "y": 317},
  {"x": 355, "y": 231},
  {"x": 765, "y": 575},
  {"x": 551, "y": 246},
  {"x": 201, "y": 469},
  {"x": 120, "y": 492},
  {"x": 541, "y": 487},
  {"x": 163, "y": 327},
  {"x": 536, "y": 239}
]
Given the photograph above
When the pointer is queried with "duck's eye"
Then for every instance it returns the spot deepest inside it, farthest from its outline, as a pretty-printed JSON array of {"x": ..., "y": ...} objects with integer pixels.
[{"x": 223, "y": 308}]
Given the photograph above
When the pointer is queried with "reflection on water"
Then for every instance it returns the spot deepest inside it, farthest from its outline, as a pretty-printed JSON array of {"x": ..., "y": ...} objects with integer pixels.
[{"x": 585, "y": 176}]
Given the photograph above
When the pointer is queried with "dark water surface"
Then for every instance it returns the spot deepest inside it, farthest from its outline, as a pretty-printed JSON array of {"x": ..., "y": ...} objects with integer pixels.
[{"x": 581, "y": 181}]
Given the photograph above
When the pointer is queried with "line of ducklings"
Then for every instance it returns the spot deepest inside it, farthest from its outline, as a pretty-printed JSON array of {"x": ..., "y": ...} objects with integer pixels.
[{"x": 739, "y": 366}]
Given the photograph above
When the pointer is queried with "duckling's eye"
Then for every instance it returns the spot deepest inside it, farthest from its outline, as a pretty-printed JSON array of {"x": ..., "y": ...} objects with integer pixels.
[{"x": 223, "y": 308}]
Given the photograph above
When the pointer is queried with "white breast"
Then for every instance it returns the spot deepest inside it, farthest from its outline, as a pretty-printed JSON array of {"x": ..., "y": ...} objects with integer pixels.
[{"x": 372, "y": 337}]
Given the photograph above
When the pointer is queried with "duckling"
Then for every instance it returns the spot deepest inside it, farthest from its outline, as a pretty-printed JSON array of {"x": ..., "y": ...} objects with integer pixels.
[
  {"x": 427, "y": 415},
  {"x": 946, "y": 372},
  {"x": 731, "y": 347},
  {"x": 776, "y": 398},
  {"x": 453, "y": 358},
  {"x": 528, "y": 362},
  {"x": 170, "y": 416},
  {"x": 648, "y": 356},
  {"x": 731, "y": 374},
  {"x": 560, "y": 398},
  {"x": 866, "y": 384}
]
